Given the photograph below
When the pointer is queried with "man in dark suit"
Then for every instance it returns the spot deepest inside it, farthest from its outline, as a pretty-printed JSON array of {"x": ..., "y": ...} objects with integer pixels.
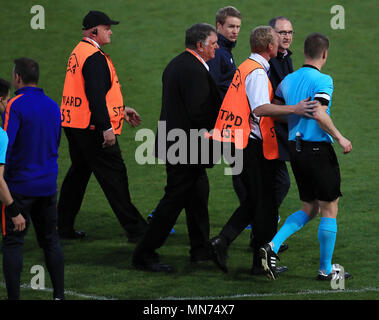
[{"x": 190, "y": 100}]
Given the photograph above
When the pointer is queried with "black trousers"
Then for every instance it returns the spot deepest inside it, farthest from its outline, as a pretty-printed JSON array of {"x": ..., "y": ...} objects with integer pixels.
[
  {"x": 42, "y": 211},
  {"x": 87, "y": 157},
  {"x": 187, "y": 188},
  {"x": 258, "y": 207},
  {"x": 282, "y": 183}
]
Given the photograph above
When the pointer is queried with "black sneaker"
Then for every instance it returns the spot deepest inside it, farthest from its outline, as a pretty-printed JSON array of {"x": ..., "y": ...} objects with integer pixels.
[
  {"x": 258, "y": 270},
  {"x": 268, "y": 258},
  {"x": 337, "y": 273}
]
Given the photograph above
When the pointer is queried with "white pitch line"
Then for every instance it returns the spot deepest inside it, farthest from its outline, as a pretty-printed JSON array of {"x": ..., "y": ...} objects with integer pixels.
[
  {"x": 278, "y": 294},
  {"x": 67, "y": 292},
  {"x": 236, "y": 296}
]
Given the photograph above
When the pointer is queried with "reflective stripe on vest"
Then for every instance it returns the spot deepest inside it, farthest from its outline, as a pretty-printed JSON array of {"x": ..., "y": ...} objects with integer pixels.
[
  {"x": 75, "y": 112},
  {"x": 8, "y": 110},
  {"x": 233, "y": 121}
]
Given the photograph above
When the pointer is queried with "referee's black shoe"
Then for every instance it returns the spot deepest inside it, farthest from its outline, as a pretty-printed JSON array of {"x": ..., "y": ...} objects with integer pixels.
[
  {"x": 283, "y": 247},
  {"x": 258, "y": 270}
]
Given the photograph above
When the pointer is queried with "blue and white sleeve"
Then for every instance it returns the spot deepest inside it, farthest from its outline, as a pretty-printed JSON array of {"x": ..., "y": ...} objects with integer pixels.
[
  {"x": 324, "y": 91},
  {"x": 3, "y": 146}
]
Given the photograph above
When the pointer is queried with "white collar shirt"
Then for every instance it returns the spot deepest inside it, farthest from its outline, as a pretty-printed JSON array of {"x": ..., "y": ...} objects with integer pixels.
[
  {"x": 92, "y": 41},
  {"x": 256, "y": 86}
]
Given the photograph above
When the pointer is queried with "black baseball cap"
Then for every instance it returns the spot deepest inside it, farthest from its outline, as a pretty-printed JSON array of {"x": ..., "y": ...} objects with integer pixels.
[{"x": 96, "y": 18}]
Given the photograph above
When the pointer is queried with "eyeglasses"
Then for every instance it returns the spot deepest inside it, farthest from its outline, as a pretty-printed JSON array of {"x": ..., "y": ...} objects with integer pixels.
[{"x": 285, "y": 33}]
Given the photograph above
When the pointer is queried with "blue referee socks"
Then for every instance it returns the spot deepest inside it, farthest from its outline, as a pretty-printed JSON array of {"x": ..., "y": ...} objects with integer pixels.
[
  {"x": 327, "y": 233},
  {"x": 293, "y": 223}
]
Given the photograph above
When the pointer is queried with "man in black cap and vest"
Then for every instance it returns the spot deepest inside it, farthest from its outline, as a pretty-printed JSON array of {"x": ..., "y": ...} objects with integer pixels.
[{"x": 92, "y": 115}]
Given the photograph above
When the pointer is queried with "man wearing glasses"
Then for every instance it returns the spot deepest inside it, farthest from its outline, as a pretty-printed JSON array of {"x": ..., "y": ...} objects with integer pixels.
[{"x": 282, "y": 64}]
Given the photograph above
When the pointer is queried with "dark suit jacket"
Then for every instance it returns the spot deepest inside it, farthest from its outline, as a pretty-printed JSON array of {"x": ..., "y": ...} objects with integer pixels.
[
  {"x": 279, "y": 68},
  {"x": 190, "y": 100}
]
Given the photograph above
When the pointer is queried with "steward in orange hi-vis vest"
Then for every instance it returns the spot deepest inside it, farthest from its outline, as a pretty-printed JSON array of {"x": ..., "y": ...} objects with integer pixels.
[
  {"x": 75, "y": 111},
  {"x": 233, "y": 121}
]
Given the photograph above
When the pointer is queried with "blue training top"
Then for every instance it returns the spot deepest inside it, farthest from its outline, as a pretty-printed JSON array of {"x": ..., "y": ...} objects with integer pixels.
[
  {"x": 306, "y": 82},
  {"x": 33, "y": 124},
  {"x": 3, "y": 145}
]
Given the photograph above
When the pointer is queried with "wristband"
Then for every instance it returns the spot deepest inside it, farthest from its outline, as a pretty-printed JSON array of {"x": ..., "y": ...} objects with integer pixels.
[{"x": 13, "y": 210}]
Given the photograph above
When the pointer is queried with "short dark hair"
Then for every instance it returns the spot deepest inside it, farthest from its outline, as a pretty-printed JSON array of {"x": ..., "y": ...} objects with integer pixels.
[
  {"x": 272, "y": 22},
  {"x": 198, "y": 32},
  {"x": 315, "y": 44},
  {"x": 225, "y": 12},
  {"x": 27, "y": 69},
  {"x": 5, "y": 87},
  {"x": 260, "y": 38}
]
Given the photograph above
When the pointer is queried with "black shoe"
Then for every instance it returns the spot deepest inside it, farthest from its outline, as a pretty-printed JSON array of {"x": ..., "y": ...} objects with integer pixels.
[
  {"x": 154, "y": 267},
  {"x": 283, "y": 247},
  {"x": 336, "y": 274},
  {"x": 280, "y": 269},
  {"x": 258, "y": 270},
  {"x": 72, "y": 235},
  {"x": 268, "y": 258},
  {"x": 218, "y": 250}
]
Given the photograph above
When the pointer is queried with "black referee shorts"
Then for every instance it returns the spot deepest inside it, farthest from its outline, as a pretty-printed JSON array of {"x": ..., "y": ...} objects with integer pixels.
[{"x": 316, "y": 171}]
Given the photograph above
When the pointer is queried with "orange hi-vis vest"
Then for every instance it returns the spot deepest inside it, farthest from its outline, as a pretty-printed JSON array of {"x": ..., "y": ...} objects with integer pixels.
[
  {"x": 75, "y": 111},
  {"x": 233, "y": 121}
]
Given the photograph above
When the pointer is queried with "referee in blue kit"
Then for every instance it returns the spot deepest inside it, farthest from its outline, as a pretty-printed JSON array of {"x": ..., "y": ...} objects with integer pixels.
[
  {"x": 313, "y": 159},
  {"x": 33, "y": 124}
]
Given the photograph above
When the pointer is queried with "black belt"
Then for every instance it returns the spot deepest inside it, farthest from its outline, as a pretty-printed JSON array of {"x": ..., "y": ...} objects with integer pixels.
[{"x": 310, "y": 145}]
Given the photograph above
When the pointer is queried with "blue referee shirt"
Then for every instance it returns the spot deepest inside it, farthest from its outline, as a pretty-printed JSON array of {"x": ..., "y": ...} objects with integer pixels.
[
  {"x": 306, "y": 82},
  {"x": 33, "y": 124}
]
